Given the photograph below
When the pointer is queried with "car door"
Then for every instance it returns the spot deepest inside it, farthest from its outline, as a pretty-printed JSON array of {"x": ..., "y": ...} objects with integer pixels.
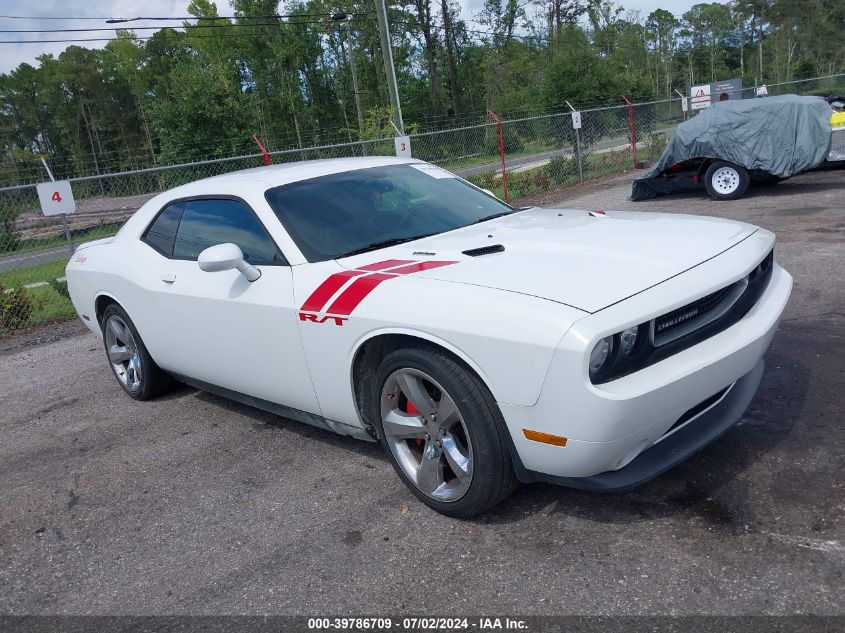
[{"x": 219, "y": 327}]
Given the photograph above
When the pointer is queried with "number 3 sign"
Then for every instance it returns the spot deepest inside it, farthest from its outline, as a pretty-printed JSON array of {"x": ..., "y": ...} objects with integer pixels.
[
  {"x": 56, "y": 197},
  {"x": 403, "y": 146}
]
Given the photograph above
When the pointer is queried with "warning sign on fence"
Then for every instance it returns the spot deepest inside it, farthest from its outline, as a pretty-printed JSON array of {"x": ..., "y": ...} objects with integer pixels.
[
  {"x": 56, "y": 197},
  {"x": 700, "y": 97}
]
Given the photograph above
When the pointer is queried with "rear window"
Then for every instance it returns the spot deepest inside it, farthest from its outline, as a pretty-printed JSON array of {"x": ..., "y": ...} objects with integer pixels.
[{"x": 161, "y": 234}]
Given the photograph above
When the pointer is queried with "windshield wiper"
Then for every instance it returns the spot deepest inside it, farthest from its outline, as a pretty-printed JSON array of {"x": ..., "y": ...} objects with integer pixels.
[
  {"x": 393, "y": 241},
  {"x": 493, "y": 217}
]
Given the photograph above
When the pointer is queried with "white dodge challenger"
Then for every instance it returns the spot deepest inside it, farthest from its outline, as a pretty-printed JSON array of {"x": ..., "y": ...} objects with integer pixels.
[{"x": 482, "y": 345}]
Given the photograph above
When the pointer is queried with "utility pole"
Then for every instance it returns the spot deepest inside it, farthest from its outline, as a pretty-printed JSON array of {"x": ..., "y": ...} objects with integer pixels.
[
  {"x": 355, "y": 86},
  {"x": 393, "y": 91}
]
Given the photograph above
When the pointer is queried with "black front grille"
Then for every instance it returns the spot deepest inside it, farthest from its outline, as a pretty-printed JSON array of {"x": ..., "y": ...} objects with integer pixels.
[
  {"x": 699, "y": 308},
  {"x": 699, "y": 313},
  {"x": 684, "y": 327}
]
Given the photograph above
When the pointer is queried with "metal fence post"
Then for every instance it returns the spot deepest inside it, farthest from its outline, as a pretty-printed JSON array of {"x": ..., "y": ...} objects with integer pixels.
[
  {"x": 63, "y": 216},
  {"x": 633, "y": 130},
  {"x": 501, "y": 153}
]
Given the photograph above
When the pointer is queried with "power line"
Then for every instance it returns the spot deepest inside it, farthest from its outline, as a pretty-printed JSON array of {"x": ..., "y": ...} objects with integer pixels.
[
  {"x": 189, "y": 17},
  {"x": 150, "y": 28},
  {"x": 137, "y": 39},
  {"x": 181, "y": 35},
  {"x": 529, "y": 39}
]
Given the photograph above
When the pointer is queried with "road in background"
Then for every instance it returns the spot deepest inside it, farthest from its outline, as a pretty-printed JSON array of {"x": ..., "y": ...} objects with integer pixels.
[
  {"x": 619, "y": 143},
  {"x": 33, "y": 258},
  {"x": 194, "y": 504}
]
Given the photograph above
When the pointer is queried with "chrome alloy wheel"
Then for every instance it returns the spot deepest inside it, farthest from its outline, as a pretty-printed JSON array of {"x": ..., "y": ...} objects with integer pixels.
[
  {"x": 123, "y": 353},
  {"x": 725, "y": 180},
  {"x": 426, "y": 435}
]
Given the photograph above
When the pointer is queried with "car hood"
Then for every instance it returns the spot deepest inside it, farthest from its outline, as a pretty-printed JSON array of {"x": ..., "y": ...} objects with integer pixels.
[{"x": 582, "y": 259}]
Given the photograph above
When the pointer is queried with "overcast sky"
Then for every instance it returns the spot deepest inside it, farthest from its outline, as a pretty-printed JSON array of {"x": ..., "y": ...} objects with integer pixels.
[{"x": 13, "y": 54}]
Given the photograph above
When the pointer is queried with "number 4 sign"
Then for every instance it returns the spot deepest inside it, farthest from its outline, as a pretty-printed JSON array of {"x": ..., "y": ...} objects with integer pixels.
[
  {"x": 56, "y": 197},
  {"x": 403, "y": 146}
]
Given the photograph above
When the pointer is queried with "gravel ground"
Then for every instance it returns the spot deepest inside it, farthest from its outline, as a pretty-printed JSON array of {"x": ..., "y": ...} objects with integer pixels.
[{"x": 191, "y": 504}]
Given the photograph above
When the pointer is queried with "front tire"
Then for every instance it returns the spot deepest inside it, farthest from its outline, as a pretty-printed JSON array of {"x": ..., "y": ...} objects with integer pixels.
[
  {"x": 443, "y": 432},
  {"x": 130, "y": 362},
  {"x": 726, "y": 181}
]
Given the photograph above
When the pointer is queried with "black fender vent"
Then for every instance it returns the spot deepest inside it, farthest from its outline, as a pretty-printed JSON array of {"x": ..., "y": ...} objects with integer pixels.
[{"x": 485, "y": 250}]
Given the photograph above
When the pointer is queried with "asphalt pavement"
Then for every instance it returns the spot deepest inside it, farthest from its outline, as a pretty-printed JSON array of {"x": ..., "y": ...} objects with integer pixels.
[
  {"x": 191, "y": 504},
  {"x": 33, "y": 258}
]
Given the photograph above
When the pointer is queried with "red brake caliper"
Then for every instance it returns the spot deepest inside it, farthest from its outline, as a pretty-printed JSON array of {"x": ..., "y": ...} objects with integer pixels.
[{"x": 412, "y": 410}]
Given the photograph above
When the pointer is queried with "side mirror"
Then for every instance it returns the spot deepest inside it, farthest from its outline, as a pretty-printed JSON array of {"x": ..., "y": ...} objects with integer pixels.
[
  {"x": 489, "y": 193},
  {"x": 222, "y": 257}
]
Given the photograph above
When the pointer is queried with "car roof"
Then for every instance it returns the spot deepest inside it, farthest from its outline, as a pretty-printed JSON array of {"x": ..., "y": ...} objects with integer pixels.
[{"x": 286, "y": 173}]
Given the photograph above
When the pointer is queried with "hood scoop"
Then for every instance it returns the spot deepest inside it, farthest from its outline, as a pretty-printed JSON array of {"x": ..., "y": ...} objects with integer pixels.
[{"x": 484, "y": 250}]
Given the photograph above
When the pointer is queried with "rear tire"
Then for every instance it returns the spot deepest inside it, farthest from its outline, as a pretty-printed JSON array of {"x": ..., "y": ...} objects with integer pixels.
[
  {"x": 726, "y": 181},
  {"x": 130, "y": 362},
  {"x": 442, "y": 430}
]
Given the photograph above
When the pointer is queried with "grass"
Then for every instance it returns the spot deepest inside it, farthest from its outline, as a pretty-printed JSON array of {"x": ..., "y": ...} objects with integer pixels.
[
  {"x": 79, "y": 236},
  {"x": 50, "y": 306},
  {"x": 47, "y": 304}
]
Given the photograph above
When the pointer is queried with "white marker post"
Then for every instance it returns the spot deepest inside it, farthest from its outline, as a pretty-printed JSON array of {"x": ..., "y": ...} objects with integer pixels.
[
  {"x": 56, "y": 198},
  {"x": 576, "y": 125},
  {"x": 684, "y": 103}
]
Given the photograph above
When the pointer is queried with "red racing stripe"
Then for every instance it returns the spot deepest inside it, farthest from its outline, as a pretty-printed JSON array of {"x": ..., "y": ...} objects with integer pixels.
[
  {"x": 419, "y": 267},
  {"x": 390, "y": 263},
  {"x": 355, "y": 293},
  {"x": 326, "y": 290}
]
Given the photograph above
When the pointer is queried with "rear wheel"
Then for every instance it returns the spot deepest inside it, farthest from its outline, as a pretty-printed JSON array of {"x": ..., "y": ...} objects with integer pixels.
[
  {"x": 130, "y": 362},
  {"x": 443, "y": 432},
  {"x": 726, "y": 181}
]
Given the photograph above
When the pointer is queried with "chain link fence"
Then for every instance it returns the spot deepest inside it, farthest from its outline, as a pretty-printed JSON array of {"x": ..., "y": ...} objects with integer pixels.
[{"x": 515, "y": 158}]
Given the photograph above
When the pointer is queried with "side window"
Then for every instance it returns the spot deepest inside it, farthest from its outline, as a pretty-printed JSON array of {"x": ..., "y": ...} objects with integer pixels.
[
  {"x": 161, "y": 234},
  {"x": 216, "y": 221}
]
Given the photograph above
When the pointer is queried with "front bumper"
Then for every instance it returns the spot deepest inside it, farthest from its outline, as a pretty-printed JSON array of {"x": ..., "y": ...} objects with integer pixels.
[
  {"x": 610, "y": 426},
  {"x": 676, "y": 447}
]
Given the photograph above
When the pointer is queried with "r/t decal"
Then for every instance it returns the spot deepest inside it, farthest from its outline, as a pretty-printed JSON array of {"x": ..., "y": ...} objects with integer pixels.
[
  {"x": 356, "y": 285},
  {"x": 316, "y": 318}
]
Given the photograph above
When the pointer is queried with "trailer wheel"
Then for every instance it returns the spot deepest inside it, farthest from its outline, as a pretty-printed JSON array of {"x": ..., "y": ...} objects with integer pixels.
[{"x": 726, "y": 181}]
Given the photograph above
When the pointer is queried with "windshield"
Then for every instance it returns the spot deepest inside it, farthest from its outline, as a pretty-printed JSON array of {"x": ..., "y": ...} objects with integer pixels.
[{"x": 354, "y": 211}]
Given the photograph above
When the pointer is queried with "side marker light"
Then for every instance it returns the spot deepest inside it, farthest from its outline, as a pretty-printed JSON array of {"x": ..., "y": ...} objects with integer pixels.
[{"x": 545, "y": 438}]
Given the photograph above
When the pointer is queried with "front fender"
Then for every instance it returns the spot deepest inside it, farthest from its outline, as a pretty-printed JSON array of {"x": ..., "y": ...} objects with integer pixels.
[
  {"x": 417, "y": 334},
  {"x": 508, "y": 338}
]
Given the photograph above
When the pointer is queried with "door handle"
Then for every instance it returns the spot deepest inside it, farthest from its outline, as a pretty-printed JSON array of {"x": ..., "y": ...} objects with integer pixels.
[{"x": 168, "y": 278}]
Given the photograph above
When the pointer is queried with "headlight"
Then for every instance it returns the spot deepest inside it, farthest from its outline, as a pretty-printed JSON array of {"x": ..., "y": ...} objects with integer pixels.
[
  {"x": 628, "y": 339},
  {"x": 600, "y": 354},
  {"x": 618, "y": 354}
]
